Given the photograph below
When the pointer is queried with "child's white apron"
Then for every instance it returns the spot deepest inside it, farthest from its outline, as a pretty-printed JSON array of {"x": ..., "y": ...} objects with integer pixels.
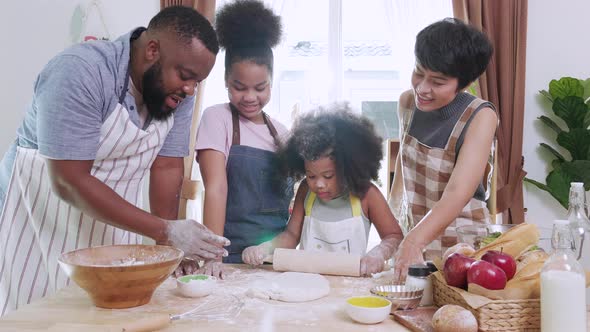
[{"x": 348, "y": 235}]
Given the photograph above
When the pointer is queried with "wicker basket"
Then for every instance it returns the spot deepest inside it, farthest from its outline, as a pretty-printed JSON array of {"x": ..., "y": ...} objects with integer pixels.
[{"x": 497, "y": 315}]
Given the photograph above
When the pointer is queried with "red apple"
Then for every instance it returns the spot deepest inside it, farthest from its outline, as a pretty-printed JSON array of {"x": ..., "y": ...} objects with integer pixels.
[
  {"x": 455, "y": 270},
  {"x": 501, "y": 260},
  {"x": 487, "y": 275}
]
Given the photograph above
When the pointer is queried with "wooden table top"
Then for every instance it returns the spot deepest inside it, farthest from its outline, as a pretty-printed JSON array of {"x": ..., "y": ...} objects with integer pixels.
[{"x": 71, "y": 309}]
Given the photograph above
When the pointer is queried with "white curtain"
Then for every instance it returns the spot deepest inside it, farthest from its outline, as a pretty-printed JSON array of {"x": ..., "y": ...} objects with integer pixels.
[
  {"x": 335, "y": 51},
  {"x": 276, "y": 5}
]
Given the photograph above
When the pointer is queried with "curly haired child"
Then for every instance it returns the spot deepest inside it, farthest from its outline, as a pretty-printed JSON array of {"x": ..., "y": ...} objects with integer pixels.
[{"x": 338, "y": 153}]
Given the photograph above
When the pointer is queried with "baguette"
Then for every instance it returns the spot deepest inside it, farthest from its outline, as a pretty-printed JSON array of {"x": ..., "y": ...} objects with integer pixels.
[
  {"x": 530, "y": 257},
  {"x": 529, "y": 279},
  {"x": 529, "y": 271},
  {"x": 514, "y": 242},
  {"x": 530, "y": 288}
]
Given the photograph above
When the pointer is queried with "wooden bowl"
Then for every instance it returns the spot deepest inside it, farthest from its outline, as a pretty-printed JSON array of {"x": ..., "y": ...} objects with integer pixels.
[{"x": 120, "y": 276}]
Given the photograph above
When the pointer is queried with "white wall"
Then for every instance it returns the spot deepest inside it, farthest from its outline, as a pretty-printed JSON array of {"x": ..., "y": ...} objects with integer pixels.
[
  {"x": 557, "y": 46},
  {"x": 33, "y": 31}
]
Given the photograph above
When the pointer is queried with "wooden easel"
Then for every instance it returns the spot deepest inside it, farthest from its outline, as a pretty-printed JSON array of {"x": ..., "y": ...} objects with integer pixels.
[
  {"x": 492, "y": 201},
  {"x": 190, "y": 187}
]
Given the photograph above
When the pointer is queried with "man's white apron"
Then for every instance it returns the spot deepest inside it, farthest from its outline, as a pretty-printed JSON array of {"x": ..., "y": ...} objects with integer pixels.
[
  {"x": 36, "y": 226},
  {"x": 347, "y": 236}
]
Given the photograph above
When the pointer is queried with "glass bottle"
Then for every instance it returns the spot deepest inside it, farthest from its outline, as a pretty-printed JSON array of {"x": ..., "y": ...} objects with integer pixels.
[
  {"x": 563, "y": 283},
  {"x": 578, "y": 219},
  {"x": 419, "y": 277}
]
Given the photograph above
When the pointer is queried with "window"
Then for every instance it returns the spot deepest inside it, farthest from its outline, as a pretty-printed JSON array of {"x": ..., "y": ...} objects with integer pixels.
[{"x": 335, "y": 50}]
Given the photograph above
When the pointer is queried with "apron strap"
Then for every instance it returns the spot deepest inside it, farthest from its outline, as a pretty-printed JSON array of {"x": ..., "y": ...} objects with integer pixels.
[
  {"x": 355, "y": 204},
  {"x": 405, "y": 116},
  {"x": 125, "y": 85},
  {"x": 235, "y": 117},
  {"x": 309, "y": 203},
  {"x": 271, "y": 129},
  {"x": 133, "y": 37},
  {"x": 460, "y": 125}
]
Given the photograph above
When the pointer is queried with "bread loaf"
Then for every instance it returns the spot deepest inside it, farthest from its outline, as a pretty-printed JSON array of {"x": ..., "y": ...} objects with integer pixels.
[
  {"x": 514, "y": 242},
  {"x": 530, "y": 257}
]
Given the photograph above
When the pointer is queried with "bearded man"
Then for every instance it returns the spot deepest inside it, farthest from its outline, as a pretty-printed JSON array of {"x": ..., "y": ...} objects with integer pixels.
[{"x": 102, "y": 115}]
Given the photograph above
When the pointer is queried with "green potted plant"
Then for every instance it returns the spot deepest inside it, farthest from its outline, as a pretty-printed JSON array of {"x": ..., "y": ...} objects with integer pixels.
[{"x": 569, "y": 98}]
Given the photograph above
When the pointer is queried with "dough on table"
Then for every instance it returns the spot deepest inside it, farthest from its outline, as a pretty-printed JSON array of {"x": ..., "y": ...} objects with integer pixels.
[{"x": 291, "y": 287}]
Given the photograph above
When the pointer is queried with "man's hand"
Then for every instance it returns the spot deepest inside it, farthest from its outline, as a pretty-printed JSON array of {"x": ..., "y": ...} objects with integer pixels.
[{"x": 197, "y": 242}]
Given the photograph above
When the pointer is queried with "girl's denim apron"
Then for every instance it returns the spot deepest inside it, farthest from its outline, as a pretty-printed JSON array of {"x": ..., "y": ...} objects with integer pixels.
[{"x": 258, "y": 198}]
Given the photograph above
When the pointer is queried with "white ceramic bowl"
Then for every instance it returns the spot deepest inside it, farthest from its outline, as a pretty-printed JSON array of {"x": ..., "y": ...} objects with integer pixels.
[
  {"x": 368, "y": 309},
  {"x": 196, "y": 285}
]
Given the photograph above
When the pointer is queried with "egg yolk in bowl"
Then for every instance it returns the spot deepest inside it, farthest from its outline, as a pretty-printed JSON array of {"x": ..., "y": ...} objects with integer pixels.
[{"x": 368, "y": 302}]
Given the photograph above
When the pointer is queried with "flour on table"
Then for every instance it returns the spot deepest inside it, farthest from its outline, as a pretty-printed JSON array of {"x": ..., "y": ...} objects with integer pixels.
[{"x": 291, "y": 287}]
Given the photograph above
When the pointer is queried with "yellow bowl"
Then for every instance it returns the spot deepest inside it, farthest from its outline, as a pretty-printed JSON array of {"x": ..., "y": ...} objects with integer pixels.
[
  {"x": 368, "y": 309},
  {"x": 120, "y": 276}
]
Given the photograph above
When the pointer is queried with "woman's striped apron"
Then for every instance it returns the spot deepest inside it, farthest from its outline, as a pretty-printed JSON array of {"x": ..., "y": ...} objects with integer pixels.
[{"x": 36, "y": 226}]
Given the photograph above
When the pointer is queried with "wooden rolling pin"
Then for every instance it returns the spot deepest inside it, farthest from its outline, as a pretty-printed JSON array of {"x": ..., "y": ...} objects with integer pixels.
[
  {"x": 333, "y": 263},
  {"x": 154, "y": 323}
]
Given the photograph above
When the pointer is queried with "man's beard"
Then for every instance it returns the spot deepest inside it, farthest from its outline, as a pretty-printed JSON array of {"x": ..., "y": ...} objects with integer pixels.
[{"x": 154, "y": 95}]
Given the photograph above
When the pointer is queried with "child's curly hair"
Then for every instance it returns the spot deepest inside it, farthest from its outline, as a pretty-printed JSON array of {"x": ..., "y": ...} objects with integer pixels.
[{"x": 350, "y": 139}]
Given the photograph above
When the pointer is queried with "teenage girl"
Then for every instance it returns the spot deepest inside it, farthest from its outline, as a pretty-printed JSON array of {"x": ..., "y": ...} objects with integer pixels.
[{"x": 246, "y": 199}]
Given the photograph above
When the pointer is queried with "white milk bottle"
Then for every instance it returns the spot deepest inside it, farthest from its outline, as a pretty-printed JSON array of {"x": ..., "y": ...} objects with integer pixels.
[
  {"x": 580, "y": 225},
  {"x": 563, "y": 284}
]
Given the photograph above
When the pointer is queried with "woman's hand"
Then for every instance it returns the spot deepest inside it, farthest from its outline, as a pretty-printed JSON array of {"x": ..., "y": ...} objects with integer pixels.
[{"x": 408, "y": 253}]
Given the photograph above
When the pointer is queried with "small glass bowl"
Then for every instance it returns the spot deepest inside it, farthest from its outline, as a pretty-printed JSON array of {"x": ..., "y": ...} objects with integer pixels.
[
  {"x": 475, "y": 234},
  {"x": 402, "y": 297}
]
